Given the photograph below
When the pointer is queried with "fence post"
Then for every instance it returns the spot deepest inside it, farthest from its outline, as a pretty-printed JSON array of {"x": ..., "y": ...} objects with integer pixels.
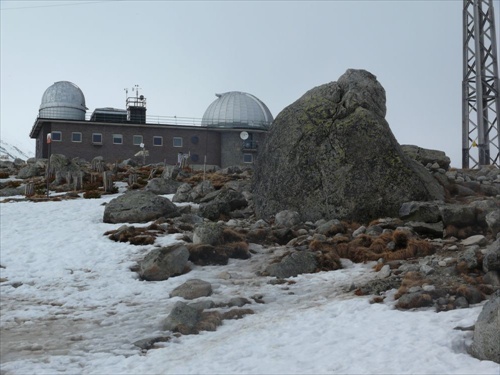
[
  {"x": 107, "y": 179},
  {"x": 29, "y": 189},
  {"x": 132, "y": 179}
]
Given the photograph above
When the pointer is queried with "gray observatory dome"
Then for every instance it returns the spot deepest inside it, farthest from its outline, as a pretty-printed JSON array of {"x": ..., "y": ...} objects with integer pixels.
[
  {"x": 63, "y": 100},
  {"x": 236, "y": 109}
]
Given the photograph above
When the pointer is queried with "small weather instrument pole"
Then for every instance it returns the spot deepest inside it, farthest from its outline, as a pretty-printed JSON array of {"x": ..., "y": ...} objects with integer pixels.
[{"x": 49, "y": 140}]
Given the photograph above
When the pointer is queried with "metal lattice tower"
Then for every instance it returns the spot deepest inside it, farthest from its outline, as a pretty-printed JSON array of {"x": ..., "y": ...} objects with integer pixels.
[{"x": 480, "y": 86}]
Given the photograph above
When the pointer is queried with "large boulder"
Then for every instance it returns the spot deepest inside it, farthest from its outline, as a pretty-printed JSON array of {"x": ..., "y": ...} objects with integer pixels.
[
  {"x": 138, "y": 206},
  {"x": 485, "y": 343},
  {"x": 331, "y": 154},
  {"x": 160, "y": 264}
]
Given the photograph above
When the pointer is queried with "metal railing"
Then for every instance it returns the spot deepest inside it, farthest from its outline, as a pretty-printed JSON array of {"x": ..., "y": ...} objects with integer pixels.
[{"x": 150, "y": 119}]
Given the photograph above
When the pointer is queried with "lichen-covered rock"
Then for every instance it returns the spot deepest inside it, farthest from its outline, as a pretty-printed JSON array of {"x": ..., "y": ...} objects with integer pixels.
[
  {"x": 293, "y": 265},
  {"x": 163, "y": 185},
  {"x": 138, "y": 206},
  {"x": 183, "y": 318},
  {"x": 287, "y": 218},
  {"x": 192, "y": 289},
  {"x": 165, "y": 262},
  {"x": 426, "y": 156},
  {"x": 331, "y": 154},
  {"x": 485, "y": 343},
  {"x": 208, "y": 233}
]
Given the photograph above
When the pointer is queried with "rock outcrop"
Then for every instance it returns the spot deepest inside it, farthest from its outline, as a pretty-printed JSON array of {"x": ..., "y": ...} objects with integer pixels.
[{"x": 331, "y": 154}]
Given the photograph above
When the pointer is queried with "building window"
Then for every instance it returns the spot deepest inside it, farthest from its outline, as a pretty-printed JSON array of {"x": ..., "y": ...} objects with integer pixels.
[
  {"x": 137, "y": 140},
  {"x": 117, "y": 139},
  {"x": 247, "y": 158},
  {"x": 56, "y": 136},
  {"x": 76, "y": 137},
  {"x": 177, "y": 142},
  {"x": 157, "y": 141},
  {"x": 195, "y": 139},
  {"x": 97, "y": 138}
]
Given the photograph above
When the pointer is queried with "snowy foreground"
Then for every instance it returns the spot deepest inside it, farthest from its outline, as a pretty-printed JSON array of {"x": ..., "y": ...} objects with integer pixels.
[{"x": 80, "y": 309}]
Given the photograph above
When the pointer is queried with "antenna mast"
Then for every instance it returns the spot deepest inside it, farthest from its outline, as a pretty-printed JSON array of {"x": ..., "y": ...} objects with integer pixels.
[{"x": 480, "y": 86}]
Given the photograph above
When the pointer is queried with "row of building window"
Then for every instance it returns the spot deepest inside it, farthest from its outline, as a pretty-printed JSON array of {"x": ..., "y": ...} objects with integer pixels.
[{"x": 137, "y": 140}]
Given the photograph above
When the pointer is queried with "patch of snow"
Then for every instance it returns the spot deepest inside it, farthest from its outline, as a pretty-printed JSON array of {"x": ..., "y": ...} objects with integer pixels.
[{"x": 71, "y": 305}]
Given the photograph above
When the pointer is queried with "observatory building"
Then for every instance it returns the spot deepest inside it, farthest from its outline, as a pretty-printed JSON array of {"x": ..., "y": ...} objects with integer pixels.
[{"x": 229, "y": 133}]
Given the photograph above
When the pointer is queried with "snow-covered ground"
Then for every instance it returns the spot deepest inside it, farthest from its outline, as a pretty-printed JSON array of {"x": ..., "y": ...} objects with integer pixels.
[{"x": 79, "y": 309}]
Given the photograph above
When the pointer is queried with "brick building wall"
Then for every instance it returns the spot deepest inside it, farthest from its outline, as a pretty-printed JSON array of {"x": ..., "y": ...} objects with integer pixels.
[{"x": 163, "y": 142}]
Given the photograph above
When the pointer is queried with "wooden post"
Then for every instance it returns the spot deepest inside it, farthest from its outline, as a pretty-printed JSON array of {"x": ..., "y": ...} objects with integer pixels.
[
  {"x": 29, "y": 189},
  {"x": 132, "y": 179}
]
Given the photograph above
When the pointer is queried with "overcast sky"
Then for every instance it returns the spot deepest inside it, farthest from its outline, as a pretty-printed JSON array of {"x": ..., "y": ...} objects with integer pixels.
[{"x": 181, "y": 53}]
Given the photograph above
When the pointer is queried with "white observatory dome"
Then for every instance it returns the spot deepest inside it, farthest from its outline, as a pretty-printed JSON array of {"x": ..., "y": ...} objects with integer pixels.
[
  {"x": 236, "y": 109},
  {"x": 63, "y": 100}
]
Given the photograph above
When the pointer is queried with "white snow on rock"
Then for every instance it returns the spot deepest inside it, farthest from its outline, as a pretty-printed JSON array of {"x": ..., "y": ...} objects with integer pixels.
[
  {"x": 10, "y": 152},
  {"x": 71, "y": 305}
]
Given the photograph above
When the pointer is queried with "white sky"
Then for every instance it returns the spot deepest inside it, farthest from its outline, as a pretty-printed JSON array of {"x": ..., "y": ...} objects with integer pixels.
[{"x": 182, "y": 53}]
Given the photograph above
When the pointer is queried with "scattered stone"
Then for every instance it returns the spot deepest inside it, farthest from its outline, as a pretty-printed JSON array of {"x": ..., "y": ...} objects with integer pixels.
[
  {"x": 160, "y": 264},
  {"x": 478, "y": 239},
  {"x": 147, "y": 344},
  {"x": 287, "y": 218},
  {"x": 293, "y": 265},
  {"x": 183, "y": 318},
  {"x": 192, "y": 289}
]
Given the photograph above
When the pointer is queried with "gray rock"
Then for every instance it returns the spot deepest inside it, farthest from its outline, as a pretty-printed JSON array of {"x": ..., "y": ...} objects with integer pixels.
[
  {"x": 160, "y": 264},
  {"x": 361, "y": 230},
  {"x": 163, "y": 185},
  {"x": 8, "y": 192},
  {"x": 486, "y": 339},
  {"x": 458, "y": 215},
  {"x": 201, "y": 190},
  {"x": 477, "y": 239},
  {"x": 213, "y": 210},
  {"x": 329, "y": 227},
  {"x": 493, "y": 221},
  {"x": 492, "y": 278},
  {"x": 415, "y": 299},
  {"x": 287, "y": 218},
  {"x": 37, "y": 168},
  {"x": 208, "y": 233},
  {"x": 293, "y": 265},
  {"x": 192, "y": 289},
  {"x": 461, "y": 303},
  {"x": 327, "y": 153},
  {"x": 431, "y": 229},
  {"x": 182, "y": 318},
  {"x": 420, "y": 211},
  {"x": 491, "y": 258},
  {"x": 182, "y": 194},
  {"x": 138, "y": 206},
  {"x": 470, "y": 258},
  {"x": 425, "y": 156}
]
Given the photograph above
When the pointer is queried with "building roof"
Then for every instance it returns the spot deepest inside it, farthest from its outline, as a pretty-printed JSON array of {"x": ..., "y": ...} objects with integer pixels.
[{"x": 237, "y": 109}]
